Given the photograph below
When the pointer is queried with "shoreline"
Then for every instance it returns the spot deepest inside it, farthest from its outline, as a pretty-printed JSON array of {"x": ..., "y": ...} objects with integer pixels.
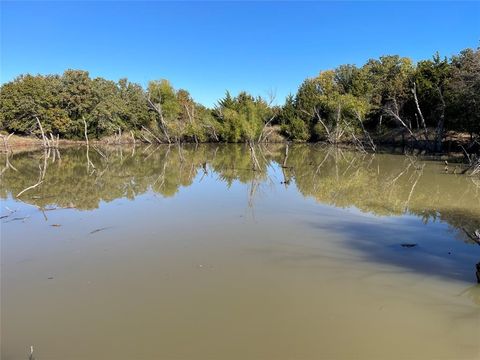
[
  {"x": 452, "y": 143},
  {"x": 28, "y": 144}
]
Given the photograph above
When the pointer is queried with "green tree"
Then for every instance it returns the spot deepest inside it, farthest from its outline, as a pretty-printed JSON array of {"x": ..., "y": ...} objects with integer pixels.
[
  {"x": 243, "y": 117},
  {"x": 463, "y": 92},
  {"x": 28, "y": 97}
]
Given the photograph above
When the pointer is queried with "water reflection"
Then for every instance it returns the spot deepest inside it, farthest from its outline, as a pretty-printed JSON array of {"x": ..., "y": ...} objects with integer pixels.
[
  {"x": 291, "y": 255},
  {"x": 382, "y": 185},
  {"x": 379, "y": 184}
]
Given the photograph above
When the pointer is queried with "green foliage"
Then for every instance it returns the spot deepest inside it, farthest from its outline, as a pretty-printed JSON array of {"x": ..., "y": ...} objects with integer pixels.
[
  {"x": 293, "y": 127},
  {"x": 347, "y": 95},
  {"x": 325, "y": 104},
  {"x": 431, "y": 78},
  {"x": 463, "y": 92},
  {"x": 242, "y": 118},
  {"x": 338, "y": 102},
  {"x": 29, "y": 96},
  {"x": 183, "y": 119},
  {"x": 62, "y": 102}
]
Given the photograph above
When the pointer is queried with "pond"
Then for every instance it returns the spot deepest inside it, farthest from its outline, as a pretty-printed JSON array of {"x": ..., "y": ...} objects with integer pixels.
[{"x": 168, "y": 252}]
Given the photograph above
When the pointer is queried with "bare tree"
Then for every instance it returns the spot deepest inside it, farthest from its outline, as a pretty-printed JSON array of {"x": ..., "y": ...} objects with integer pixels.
[
  {"x": 267, "y": 123},
  {"x": 5, "y": 139},
  {"x": 394, "y": 112},
  {"x": 420, "y": 114},
  {"x": 365, "y": 132},
  {"x": 151, "y": 134},
  {"x": 89, "y": 162},
  {"x": 255, "y": 163},
  {"x": 158, "y": 110},
  {"x": 191, "y": 118}
]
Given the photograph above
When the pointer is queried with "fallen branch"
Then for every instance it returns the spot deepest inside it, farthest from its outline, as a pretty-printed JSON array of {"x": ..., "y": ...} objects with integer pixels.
[{"x": 156, "y": 138}]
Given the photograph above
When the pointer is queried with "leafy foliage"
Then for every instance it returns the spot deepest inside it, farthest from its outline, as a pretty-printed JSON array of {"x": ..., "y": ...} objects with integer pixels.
[
  {"x": 243, "y": 117},
  {"x": 382, "y": 94},
  {"x": 390, "y": 92}
]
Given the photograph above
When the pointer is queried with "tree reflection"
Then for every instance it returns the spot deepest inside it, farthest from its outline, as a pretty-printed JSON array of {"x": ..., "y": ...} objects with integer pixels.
[{"x": 379, "y": 184}]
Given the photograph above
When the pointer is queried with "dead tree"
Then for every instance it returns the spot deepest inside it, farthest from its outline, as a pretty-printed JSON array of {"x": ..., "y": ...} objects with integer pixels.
[
  {"x": 339, "y": 131},
  {"x": 284, "y": 165},
  {"x": 394, "y": 112},
  {"x": 151, "y": 134},
  {"x": 163, "y": 125},
  {"x": 133, "y": 137},
  {"x": 41, "y": 176},
  {"x": 317, "y": 115},
  {"x": 180, "y": 152},
  {"x": 215, "y": 136},
  {"x": 269, "y": 121},
  {"x": 419, "y": 175},
  {"x": 191, "y": 118},
  {"x": 474, "y": 166},
  {"x": 356, "y": 141},
  {"x": 366, "y": 133},
  {"x": 255, "y": 163},
  {"x": 48, "y": 143},
  {"x": 5, "y": 139},
  {"x": 89, "y": 162},
  {"x": 44, "y": 138},
  {"x": 8, "y": 164},
  {"x": 420, "y": 114},
  {"x": 473, "y": 163},
  {"x": 146, "y": 139}
]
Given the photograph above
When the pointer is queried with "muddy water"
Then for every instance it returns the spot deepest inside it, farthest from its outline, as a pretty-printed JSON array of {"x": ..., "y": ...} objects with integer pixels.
[{"x": 167, "y": 253}]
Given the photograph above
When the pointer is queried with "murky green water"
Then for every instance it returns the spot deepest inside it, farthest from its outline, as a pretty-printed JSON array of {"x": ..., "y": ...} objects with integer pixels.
[{"x": 168, "y": 253}]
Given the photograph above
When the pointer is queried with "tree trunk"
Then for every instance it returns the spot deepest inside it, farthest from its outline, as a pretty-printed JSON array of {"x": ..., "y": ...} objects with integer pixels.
[
  {"x": 422, "y": 119},
  {"x": 440, "y": 124}
]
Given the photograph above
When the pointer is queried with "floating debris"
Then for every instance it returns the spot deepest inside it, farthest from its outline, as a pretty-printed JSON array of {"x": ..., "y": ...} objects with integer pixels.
[
  {"x": 100, "y": 229},
  {"x": 408, "y": 245},
  {"x": 18, "y": 219},
  {"x": 56, "y": 225}
]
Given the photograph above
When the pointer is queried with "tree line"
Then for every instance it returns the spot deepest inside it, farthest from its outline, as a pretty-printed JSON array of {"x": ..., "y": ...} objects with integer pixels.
[{"x": 424, "y": 99}]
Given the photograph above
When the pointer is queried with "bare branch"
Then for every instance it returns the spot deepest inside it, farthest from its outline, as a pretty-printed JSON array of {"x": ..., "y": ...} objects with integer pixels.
[
  {"x": 45, "y": 140},
  {"x": 156, "y": 138},
  {"x": 163, "y": 125}
]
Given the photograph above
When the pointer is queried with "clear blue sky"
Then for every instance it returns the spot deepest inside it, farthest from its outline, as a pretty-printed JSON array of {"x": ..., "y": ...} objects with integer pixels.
[{"x": 208, "y": 47}]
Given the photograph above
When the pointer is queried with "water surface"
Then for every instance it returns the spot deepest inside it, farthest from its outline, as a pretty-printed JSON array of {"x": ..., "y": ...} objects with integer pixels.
[{"x": 187, "y": 253}]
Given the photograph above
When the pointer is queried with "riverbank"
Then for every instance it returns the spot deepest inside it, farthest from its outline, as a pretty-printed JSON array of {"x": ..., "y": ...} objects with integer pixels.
[
  {"x": 21, "y": 143},
  {"x": 399, "y": 139}
]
